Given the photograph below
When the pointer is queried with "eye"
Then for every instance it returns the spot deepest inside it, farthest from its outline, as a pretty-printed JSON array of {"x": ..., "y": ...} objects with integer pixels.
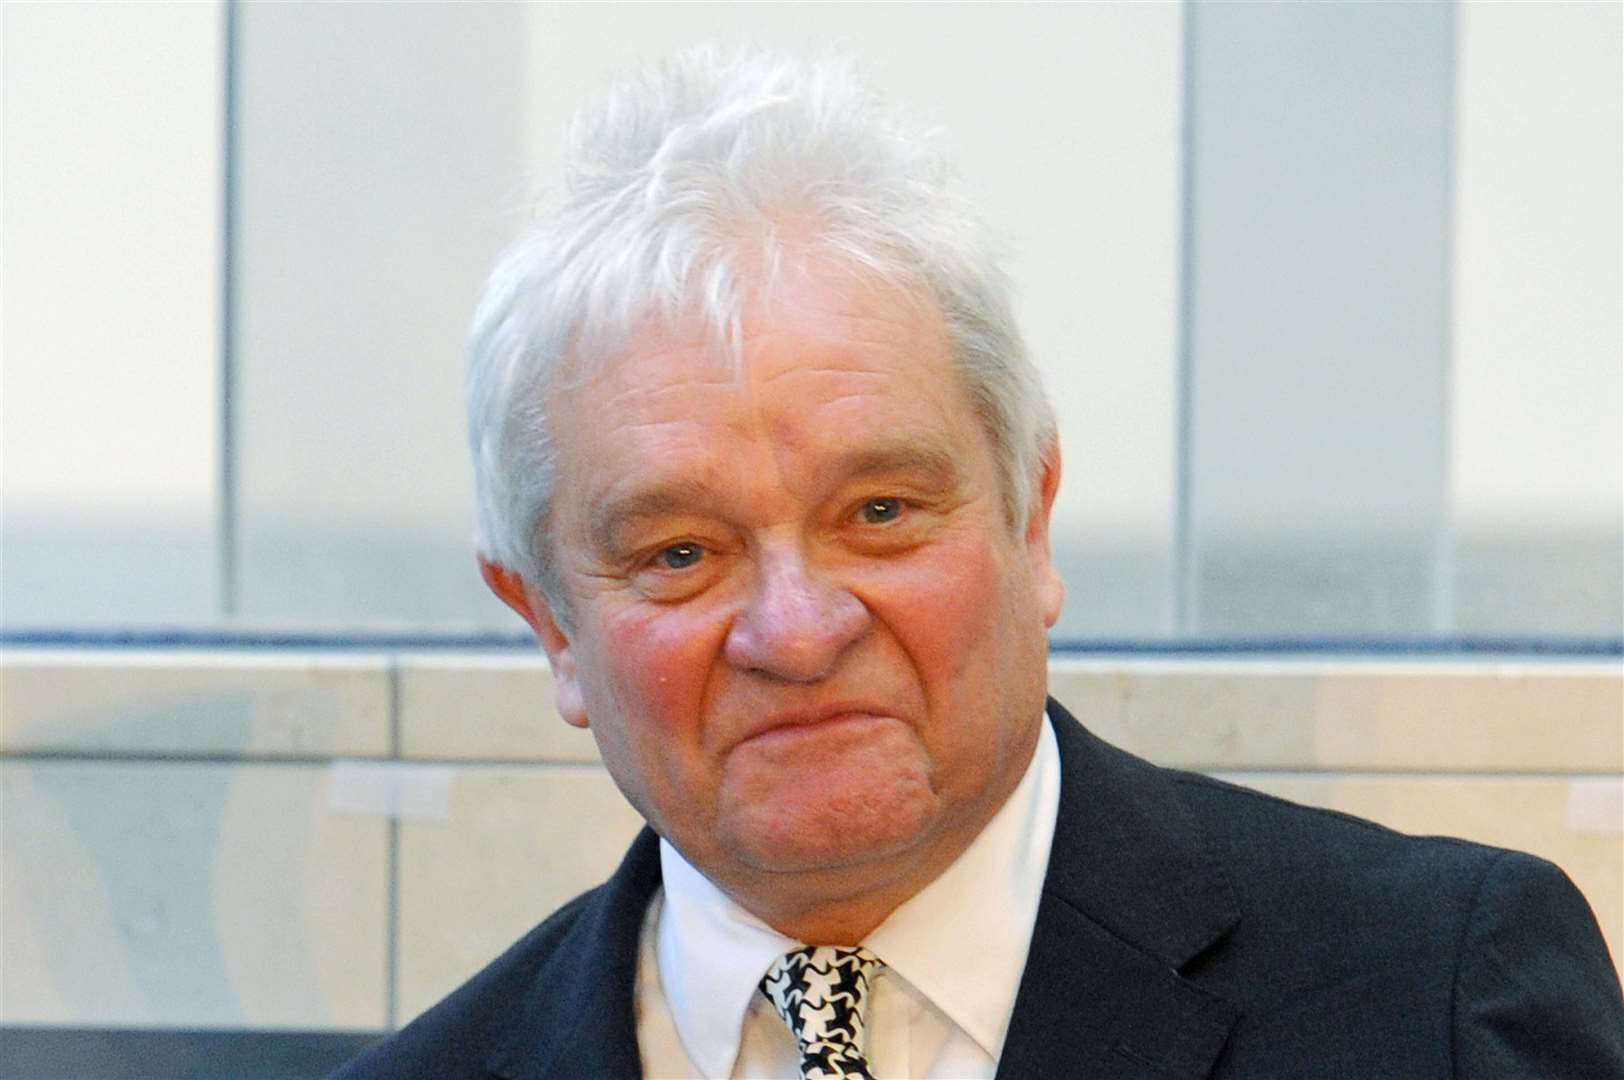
[
  {"x": 880, "y": 511},
  {"x": 680, "y": 556}
]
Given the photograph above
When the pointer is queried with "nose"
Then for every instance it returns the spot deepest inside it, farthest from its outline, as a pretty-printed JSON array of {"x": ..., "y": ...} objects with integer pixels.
[{"x": 796, "y": 623}]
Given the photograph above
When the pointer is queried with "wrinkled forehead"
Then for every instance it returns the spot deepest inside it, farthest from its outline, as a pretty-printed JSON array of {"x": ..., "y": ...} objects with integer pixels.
[{"x": 832, "y": 385}]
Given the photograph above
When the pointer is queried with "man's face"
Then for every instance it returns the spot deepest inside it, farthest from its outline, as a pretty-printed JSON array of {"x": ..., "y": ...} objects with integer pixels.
[{"x": 803, "y": 631}]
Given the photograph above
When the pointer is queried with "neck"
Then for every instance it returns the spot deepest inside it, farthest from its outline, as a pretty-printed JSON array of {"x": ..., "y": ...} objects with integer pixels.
[
  {"x": 844, "y": 921},
  {"x": 846, "y": 926}
]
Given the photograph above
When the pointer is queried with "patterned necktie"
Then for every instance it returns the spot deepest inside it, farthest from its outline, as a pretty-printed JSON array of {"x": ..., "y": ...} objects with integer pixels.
[{"x": 822, "y": 993}]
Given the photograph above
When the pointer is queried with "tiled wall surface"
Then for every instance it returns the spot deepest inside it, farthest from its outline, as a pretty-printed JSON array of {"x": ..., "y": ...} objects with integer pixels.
[{"x": 334, "y": 840}]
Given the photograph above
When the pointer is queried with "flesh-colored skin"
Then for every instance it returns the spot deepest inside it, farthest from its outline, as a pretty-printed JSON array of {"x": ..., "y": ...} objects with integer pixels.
[{"x": 803, "y": 632}]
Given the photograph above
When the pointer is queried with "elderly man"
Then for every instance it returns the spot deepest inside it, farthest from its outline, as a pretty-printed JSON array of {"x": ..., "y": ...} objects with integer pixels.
[{"x": 762, "y": 461}]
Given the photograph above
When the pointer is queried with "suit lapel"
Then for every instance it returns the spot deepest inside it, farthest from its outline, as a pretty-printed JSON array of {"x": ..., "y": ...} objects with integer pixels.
[
  {"x": 577, "y": 1018},
  {"x": 1129, "y": 899}
]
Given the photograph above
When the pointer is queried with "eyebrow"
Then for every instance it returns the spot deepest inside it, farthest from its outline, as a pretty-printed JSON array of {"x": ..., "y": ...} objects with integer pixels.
[
  {"x": 612, "y": 515},
  {"x": 931, "y": 462},
  {"x": 928, "y": 459}
]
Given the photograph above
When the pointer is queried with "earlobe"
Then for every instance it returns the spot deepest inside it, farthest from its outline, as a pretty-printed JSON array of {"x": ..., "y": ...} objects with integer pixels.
[
  {"x": 566, "y": 685},
  {"x": 1052, "y": 595},
  {"x": 517, "y": 594}
]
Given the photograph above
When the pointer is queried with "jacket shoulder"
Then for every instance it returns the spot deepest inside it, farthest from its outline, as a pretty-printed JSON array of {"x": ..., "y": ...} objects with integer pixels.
[
  {"x": 1486, "y": 961},
  {"x": 1243, "y": 810},
  {"x": 1292, "y": 856}
]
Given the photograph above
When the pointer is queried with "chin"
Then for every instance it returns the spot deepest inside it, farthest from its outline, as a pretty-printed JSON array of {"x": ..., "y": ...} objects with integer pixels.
[{"x": 832, "y": 834}]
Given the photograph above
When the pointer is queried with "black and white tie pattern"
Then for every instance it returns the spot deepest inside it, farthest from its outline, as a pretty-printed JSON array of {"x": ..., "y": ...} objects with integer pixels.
[{"x": 822, "y": 994}]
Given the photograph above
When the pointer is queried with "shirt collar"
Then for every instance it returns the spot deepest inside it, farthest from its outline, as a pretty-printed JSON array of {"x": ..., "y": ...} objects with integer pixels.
[
  {"x": 711, "y": 953},
  {"x": 961, "y": 941}
]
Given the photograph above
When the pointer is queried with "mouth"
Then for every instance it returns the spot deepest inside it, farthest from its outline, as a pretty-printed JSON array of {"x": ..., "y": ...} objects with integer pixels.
[{"x": 788, "y": 726}]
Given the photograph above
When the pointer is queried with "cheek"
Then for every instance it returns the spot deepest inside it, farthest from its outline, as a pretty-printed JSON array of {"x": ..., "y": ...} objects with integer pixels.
[
  {"x": 945, "y": 608},
  {"x": 657, "y": 662}
]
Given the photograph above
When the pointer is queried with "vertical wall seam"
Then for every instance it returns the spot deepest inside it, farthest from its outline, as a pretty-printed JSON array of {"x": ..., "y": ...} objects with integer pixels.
[
  {"x": 392, "y": 866},
  {"x": 1184, "y": 608},
  {"x": 1443, "y": 529},
  {"x": 393, "y": 668},
  {"x": 226, "y": 521}
]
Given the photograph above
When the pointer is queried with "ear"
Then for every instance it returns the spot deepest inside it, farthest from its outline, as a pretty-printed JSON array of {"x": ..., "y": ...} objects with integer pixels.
[
  {"x": 1051, "y": 589},
  {"x": 533, "y": 608}
]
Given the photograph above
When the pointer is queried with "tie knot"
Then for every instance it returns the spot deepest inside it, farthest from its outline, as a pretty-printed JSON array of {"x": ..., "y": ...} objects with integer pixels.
[{"x": 822, "y": 994}]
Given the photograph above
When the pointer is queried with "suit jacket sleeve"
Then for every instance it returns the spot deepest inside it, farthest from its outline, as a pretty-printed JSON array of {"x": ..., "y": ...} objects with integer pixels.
[{"x": 1535, "y": 993}]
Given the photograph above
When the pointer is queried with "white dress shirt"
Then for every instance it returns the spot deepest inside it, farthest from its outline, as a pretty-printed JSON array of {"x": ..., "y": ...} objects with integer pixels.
[{"x": 954, "y": 954}]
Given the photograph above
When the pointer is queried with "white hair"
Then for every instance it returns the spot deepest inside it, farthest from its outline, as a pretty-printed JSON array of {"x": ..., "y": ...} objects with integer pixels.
[{"x": 682, "y": 188}]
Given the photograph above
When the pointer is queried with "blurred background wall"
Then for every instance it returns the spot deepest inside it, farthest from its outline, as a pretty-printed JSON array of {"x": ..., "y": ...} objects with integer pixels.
[{"x": 1328, "y": 297}]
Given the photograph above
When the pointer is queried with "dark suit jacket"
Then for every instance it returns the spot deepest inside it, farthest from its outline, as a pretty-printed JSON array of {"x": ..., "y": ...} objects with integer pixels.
[{"x": 1188, "y": 928}]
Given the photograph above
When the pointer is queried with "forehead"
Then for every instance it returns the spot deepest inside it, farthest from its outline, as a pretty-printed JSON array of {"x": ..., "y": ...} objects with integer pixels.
[
  {"x": 845, "y": 345},
  {"x": 834, "y": 389},
  {"x": 832, "y": 381}
]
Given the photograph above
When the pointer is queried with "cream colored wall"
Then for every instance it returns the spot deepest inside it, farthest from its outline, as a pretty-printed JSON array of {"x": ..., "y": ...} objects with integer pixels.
[
  {"x": 112, "y": 167},
  {"x": 332, "y": 840},
  {"x": 1067, "y": 121},
  {"x": 1539, "y": 286}
]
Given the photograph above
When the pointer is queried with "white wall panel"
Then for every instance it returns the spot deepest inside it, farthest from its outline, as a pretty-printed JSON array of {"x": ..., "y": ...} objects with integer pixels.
[
  {"x": 1537, "y": 470},
  {"x": 1539, "y": 284},
  {"x": 108, "y": 319}
]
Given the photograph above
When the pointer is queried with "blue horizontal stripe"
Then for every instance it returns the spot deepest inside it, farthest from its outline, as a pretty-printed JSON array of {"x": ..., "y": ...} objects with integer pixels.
[{"x": 386, "y": 641}]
